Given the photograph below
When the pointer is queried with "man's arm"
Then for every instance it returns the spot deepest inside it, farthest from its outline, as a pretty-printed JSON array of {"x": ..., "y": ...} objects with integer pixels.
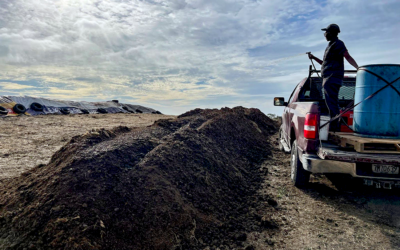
[
  {"x": 350, "y": 59},
  {"x": 311, "y": 56}
]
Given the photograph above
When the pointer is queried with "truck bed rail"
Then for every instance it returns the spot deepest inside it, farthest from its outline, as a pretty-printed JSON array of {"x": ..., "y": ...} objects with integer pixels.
[{"x": 313, "y": 71}]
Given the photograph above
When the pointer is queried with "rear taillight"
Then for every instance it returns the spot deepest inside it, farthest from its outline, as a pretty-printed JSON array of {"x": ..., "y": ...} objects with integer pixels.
[{"x": 310, "y": 126}]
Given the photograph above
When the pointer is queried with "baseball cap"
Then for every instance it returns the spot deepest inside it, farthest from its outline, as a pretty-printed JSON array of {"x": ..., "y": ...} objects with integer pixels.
[{"x": 332, "y": 27}]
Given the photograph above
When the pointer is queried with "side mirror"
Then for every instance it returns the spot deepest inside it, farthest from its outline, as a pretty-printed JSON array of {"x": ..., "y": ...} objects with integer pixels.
[{"x": 279, "y": 101}]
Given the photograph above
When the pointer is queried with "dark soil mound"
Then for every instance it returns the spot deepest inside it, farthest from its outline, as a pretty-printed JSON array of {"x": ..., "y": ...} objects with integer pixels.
[{"x": 178, "y": 184}]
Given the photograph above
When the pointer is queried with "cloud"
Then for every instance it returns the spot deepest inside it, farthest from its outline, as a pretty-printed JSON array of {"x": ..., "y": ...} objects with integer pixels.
[
  {"x": 14, "y": 86},
  {"x": 156, "y": 52}
]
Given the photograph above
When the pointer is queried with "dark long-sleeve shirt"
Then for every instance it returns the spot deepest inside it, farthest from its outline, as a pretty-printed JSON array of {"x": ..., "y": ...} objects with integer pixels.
[{"x": 333, "y": 63}]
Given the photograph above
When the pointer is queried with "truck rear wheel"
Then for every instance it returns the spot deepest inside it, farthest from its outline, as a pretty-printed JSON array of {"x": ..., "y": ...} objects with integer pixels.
[{"x": 299, "y": 176}]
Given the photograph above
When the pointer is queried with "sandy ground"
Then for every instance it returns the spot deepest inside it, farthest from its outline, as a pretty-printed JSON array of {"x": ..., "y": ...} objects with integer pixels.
[
  {"x": 318, "y": 217},
  {"x": 27, "y": 141}
]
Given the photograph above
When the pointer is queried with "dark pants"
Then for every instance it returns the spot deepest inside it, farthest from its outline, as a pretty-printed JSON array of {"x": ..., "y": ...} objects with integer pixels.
[{"x": 331, "y": 87}]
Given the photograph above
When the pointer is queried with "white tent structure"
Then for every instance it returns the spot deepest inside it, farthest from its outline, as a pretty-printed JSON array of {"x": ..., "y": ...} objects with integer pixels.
[{"x": 41, "y": 106}]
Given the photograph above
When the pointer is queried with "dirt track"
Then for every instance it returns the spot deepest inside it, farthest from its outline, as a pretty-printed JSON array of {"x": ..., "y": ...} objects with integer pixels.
[{"x": 319, "y": 217}]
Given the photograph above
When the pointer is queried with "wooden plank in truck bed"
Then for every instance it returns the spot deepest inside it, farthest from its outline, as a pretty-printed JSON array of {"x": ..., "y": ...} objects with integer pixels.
[{"x": 364, "y": 144}]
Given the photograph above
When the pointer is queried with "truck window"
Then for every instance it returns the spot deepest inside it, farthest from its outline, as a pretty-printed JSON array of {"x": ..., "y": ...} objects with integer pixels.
[
  {"x": 312, "y": 91},
  {"x": 291, "y": 95}
]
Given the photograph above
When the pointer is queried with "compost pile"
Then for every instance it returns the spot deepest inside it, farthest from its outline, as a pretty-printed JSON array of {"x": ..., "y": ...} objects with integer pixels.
[{"x": 178, "y": 184}]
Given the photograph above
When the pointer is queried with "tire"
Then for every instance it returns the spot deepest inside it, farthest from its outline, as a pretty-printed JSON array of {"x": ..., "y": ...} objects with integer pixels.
[
  {"x": 19, "y": 109},
  {"x": 37, "y": 106},
  {"x": 102, "y": 111},
  {"x": 64, "y": 111},
  {"x": 127, "y": 110},
  {"x": 281, "y": 148},
  {"x": 3, "y": 110},
  {"x": 299, "y": 176},
  {"x": 84, "y": 111}
]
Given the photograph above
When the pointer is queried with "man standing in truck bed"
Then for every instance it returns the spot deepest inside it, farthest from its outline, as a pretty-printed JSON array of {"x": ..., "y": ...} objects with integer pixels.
[{"x": 332, "y": 70}]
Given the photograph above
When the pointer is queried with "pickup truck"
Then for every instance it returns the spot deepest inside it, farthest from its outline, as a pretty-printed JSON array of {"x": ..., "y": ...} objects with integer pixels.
[{"x": 301, "y": 136}]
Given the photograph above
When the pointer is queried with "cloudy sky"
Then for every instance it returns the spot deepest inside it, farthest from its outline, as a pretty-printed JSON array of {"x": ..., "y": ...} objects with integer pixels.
[{"x": 176, "y": 55}]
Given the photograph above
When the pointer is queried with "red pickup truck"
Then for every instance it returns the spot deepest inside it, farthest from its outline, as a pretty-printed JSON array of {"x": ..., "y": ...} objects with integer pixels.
[{"x": 311, "y": 151}]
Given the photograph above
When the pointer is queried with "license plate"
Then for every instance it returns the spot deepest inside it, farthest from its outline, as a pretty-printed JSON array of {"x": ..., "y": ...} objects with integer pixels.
[{"x": 385, "y": 169}]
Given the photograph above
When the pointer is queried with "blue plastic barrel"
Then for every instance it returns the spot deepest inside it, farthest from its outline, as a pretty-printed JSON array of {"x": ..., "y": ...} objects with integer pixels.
[{"x": 378, "y": 117}]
